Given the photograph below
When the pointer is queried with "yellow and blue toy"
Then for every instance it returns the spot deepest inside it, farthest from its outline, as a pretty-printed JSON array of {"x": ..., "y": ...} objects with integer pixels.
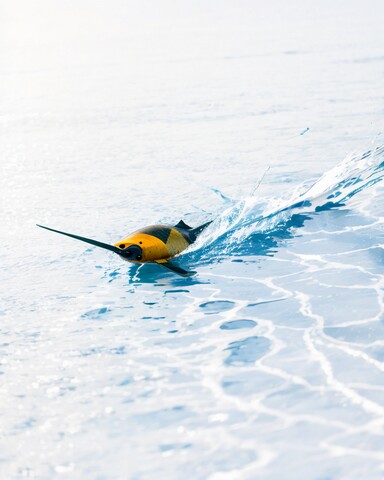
[{"x": 153, "y": 244}]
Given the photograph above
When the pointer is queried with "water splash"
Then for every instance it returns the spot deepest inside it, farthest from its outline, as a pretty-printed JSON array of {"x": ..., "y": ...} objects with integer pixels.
[{"x": 255, "y": 226}]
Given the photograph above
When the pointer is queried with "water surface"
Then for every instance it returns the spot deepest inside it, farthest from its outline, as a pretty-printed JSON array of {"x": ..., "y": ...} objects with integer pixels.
[{"x": 267, "y": 118}]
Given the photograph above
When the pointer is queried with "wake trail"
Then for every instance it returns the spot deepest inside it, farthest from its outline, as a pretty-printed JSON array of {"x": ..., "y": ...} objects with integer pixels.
[{"x": 251, "y": 221}]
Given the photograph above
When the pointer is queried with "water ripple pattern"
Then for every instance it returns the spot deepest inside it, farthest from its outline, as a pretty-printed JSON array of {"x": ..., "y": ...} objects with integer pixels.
[{"x": 269, "y": 363}]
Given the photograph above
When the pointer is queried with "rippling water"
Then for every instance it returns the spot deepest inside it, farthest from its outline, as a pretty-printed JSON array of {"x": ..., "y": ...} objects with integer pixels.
[{"x": 265, "y": 118}]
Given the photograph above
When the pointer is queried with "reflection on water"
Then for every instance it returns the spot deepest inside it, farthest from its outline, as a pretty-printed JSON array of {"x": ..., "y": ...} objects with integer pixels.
[{"x": 117, "y": 115}]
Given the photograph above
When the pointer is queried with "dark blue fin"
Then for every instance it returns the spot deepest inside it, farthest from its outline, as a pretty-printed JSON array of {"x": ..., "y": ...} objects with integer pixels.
[
  {"x": 182, "y": 224},
  {"x": 195, "y": 232},
  {"x": 176, "y": 269}
]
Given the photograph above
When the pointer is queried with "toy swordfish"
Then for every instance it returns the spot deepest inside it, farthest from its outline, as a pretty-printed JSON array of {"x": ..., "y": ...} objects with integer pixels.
[{"x": 153, "y": 244}]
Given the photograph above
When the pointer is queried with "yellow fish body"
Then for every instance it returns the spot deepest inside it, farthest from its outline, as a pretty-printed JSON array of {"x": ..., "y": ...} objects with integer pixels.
[{"x": 155, "y": 243}]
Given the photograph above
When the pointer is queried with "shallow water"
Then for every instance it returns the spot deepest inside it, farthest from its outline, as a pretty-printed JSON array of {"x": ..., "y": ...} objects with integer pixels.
[{"x": 267, "y": 119}]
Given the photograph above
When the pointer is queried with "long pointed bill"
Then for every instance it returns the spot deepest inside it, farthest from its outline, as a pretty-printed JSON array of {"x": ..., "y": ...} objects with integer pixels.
[{"x": 86, "y": 240}]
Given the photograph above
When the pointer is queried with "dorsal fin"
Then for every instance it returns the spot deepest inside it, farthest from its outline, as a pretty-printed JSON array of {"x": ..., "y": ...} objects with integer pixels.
[{"x": 182, "y": 224}]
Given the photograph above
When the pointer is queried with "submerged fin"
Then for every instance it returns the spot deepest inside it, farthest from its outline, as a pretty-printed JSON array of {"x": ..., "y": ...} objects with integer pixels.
[
  {"x": 86, "y": 240},
  {"x": 175, "y": 268},
  {"x": 182, "y": 224}
]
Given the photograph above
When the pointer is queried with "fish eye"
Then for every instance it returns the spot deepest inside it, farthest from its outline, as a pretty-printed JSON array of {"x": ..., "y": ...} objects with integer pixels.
[
  {"x": 122, "y": 245},
  {"x": 141, "y": 243}
]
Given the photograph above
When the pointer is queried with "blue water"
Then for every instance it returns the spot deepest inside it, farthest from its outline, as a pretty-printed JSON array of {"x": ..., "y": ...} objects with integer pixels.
[{"x": 268, "y": 120}]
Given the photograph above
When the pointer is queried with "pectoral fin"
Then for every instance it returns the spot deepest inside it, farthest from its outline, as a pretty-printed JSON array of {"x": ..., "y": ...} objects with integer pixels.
[{"x": 175, "y": 268}]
